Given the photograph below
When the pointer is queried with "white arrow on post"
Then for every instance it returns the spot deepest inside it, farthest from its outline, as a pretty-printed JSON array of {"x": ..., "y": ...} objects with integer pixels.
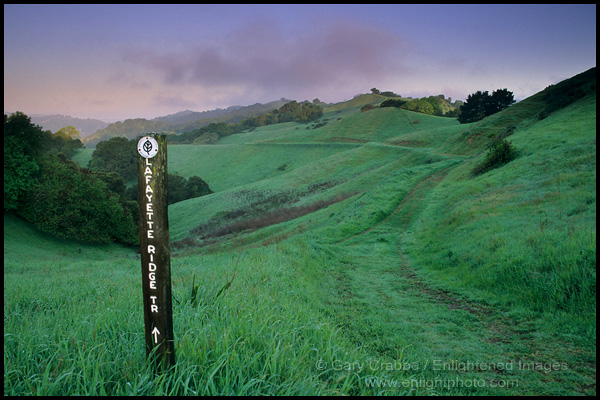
[{"x": 155, "y": 332}]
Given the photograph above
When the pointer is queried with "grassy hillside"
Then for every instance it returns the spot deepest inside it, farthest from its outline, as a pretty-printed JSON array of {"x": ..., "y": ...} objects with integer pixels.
[
  {"x": 364, "y": 259},
  {"x": 526, "y": 229}
]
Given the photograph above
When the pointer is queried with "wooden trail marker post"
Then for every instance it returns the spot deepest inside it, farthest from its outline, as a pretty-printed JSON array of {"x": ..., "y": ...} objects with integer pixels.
[{"x": 155, "y": 249}]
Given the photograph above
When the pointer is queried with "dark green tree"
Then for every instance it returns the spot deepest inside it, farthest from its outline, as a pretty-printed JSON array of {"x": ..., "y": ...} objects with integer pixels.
[
  {"x": 23, "y": 146},
  {"x": 480, "y": 105},
  {"x": 501, "y": 99},
  {"x": 474, "y": 108},
  {"x": 435, "y": 103},
  {"x": 309, "y": 112},
  {"x": 57, "y": 195},
  {"x": 71, "y": 202},
  {"x": 177, "y": 190},
  {"x": 117, "y": 154},
  {"x": 182, "y": 189},
  {"x": 288, "y": 111},
  {"x": 393, "y": 103},
  {"x": 197, "y": 187}
]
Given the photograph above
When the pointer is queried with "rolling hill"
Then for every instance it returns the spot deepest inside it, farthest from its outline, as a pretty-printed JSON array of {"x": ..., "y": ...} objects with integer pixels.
[
  {"x": 179, "y": 122},
  {"x": 86, "y": 127},
  {"x": 354, "y": 255}
]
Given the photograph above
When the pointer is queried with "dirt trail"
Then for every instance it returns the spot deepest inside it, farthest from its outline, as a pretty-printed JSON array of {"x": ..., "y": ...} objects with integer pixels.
[
  {"x": 407, "y": 202},
  {"x": 518, "y": 338}
]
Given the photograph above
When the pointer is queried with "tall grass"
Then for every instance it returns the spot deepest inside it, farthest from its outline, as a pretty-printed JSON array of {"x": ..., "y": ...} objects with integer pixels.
[
  {"x": 525, "y": 231},
  {"x": 357, "y": 297},
  {"x": 77, "y": 329}
]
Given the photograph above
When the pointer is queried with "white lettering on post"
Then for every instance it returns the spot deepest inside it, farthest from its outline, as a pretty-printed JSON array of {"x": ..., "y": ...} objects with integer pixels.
[
  {"x": 153, "y": 306},
  {"x": 150, "y": 234}
]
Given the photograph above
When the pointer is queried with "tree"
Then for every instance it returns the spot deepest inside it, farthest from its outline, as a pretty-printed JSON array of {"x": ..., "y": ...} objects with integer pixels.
[
  {"x": 176, "y": 188},
  {"x": 197, "y": 187},
  {"x": 66, "y": 141},
  {"x": 367, "y": 107},
  {"x": 419, "y": 105},
  {"x": 23, "y": 146},
  {"x": 435, "y": 102},
  {"x": 69, "y": 132},
  {"x": 309, "y": 112},
  {"x": 180, "y": 189},
  {"x": 58, "y": 196},
  {"x": 116, "y": 155},
  {"x": 71, "y": 202},
  {"x": 474, "y": 108},
  {"x": 501, "y": 99},
  {"x": 393, "y": 103},
  {"x": 288, "y": 111},
  {"x": 480, "y": 105}
]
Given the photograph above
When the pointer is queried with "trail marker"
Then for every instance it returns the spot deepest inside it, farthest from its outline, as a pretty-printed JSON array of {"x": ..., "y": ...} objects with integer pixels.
[{"x": 155, "y": 249}]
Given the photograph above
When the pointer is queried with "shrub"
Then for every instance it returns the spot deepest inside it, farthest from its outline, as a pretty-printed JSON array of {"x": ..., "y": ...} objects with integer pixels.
[
  {"x": 73, "y": 203},
  {"x": 367, "y": 107},
  {"x": 419, "y": 105},
  {"x": 499, "y": 153},
  {"x": 393, "y": 103},
  {"x": 180, "y": 189}
]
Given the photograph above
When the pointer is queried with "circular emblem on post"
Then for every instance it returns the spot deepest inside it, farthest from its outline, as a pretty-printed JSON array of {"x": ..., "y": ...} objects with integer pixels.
[{"x": 147, "y": 147}]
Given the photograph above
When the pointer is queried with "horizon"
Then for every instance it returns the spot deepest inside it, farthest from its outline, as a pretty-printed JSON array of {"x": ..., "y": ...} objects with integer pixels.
[
  {"x": 177, "y": 112},
  {"x": 147, "y": 61}
]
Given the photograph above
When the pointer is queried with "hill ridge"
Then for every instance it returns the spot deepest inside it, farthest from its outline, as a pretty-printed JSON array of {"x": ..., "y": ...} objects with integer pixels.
[{"x": 409, "y": 275}]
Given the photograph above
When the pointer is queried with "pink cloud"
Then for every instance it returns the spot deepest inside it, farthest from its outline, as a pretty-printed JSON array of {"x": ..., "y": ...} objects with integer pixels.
[{"x": 260, "y": 57}]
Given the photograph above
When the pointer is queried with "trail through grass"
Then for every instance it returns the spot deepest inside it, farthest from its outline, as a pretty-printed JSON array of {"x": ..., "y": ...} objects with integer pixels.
[{"x": 365, "y": 260}]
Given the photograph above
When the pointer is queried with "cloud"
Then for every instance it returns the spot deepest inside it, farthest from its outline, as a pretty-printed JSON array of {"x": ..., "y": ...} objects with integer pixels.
[
  {"x": 261, "y": 58},
  {"x": 172, "y": 101}
]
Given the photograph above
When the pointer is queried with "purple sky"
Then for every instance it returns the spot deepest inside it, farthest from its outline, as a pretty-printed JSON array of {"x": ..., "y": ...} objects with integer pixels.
[{"x": 114, "y": 62}]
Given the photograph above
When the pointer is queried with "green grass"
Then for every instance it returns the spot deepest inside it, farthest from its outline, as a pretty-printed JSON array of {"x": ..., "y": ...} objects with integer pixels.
[
  {"x": 225, "y": 166},
  {"x": 525, "y": 231},
  {"x": 410, "y": 276},
  {"x": 377, "y": 125},
  {"x": 74, "y": 327}
]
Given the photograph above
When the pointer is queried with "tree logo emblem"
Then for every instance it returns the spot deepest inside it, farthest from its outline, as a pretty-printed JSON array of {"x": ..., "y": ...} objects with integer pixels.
[{"x": 147, "y": 147}]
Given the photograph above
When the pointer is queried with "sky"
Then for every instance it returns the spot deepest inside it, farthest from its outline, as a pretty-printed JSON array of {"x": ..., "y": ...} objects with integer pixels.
[{"x": 113, "y": 62}]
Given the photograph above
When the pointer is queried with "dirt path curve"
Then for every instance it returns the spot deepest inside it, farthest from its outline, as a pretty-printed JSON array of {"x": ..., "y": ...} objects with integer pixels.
[
  {"x": 420, "y": 187},
  {"x": 517, "y": 338}
]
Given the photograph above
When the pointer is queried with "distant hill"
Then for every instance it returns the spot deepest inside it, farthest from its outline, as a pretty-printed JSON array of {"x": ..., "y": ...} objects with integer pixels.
[
  {"x": 86, "y": 127},
  {"x": 180, "y": 122},
  {"x": 236, "y": 114},
  {"x": 129, "y": 129},
  {"x": 375, "y": 100},
  {"x": 188, "y": 116}
]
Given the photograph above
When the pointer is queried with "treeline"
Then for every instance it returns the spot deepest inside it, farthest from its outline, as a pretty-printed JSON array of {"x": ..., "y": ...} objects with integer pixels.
[
  {"x": 289, "y": 112},
  {"x": 58, "y": 196},
  {"x": 118, "y": 155},
  {"x": 481, "y": 104},
  {"x": 130, "y": 128},
  {"x": 431, "y": 105},
  {"x": 477, "y": 106}
]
